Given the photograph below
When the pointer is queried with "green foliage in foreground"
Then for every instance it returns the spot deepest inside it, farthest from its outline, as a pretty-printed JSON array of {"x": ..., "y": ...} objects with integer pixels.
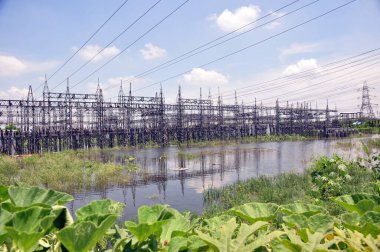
[{"x": 35, "y": 219}]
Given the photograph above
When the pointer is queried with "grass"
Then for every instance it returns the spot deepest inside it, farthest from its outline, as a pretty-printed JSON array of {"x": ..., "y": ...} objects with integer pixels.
[
  {"x": 373, "y": 143},
  {"x": 344, "y": 145},
  {"x": 68, "y": 171},
  {"x": 283, "y": 189},
  {"x": 249, "y": 139},
  {"x": 280, "y": 189}
]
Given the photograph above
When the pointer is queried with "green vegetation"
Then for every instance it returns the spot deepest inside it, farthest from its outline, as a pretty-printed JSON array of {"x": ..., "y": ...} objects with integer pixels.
[
  {"x": 335, "y": 205},
  {"x": 35, "y": 219},
  {"x": 187, "y": 155},
  {"x": 11, "y": 127},
  {"x": 368, "y": 127},
  {"x": 327, "y": 177},
  {"x": 250, "y": 139},
  {"x": 373, "y": 143},
  {"x": 79, "y": 170}
]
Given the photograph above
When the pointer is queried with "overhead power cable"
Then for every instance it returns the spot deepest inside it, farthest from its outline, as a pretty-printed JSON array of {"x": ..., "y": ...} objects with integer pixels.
[
  {"x": 85, "y": 43},
  {"x": 191, "y": 52},
  {"x": 196, "y": 51},
  {"x": 325, "y": 72},
  {"x": 302, "y": 90},
  {"x": 252, "y": 45},
  {"x": 134, "y": 42},
  {"x": 326, "y": 81},
  {"x": 306, "y": 73},
  {"x": 112, "y": 41}
]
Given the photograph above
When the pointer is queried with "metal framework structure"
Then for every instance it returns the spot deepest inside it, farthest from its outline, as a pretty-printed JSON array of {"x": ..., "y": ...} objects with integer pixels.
[
  {"x": 68, "y": 120},
  {"x": 366, "y": 107}
]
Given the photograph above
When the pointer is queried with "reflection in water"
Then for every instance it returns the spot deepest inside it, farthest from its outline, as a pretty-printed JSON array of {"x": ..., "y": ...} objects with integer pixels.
[{"x": 158, "y": 179}]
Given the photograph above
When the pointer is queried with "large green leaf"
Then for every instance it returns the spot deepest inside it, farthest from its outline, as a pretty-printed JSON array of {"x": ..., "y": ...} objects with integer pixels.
[
  {"x": 296, "y": 220},
  {"x": 158, "y": 220},
  {"x": 230, "y": 237},
  {"x": 93, "y": 222},
  {"x": 308, "y": 241},
  {"x": 214, "y": 222},
  {"x": 253, "y": 212},
  {"x": 83, "y": 235},
  {"x": 99, "y": 208},
  {"x": 3, "y": 193},
  {"x": 172, "y": 227},
  {"x": 178, "y": 244},
  {"x": 284, "y": 245},
  {"x": 151, "y": 214},
  {"x": 5, "y": 217},
  {"x": 143, "y": 231},
  {"x": 29, "y": 225},
  {"x": 359, "y": 203},
  {"x": 369, "y": 223},
  {"x": 357, "y": 241},
  {"x": 321, "y": 223},
  {"x": 22, "y": 196},
  {"x": 317, "y": 223},
  {"x": 302, "y": 208}
]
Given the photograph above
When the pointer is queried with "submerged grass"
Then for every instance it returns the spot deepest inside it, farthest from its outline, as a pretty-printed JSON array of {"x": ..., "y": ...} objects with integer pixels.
[{"x": 69, "y": 171}]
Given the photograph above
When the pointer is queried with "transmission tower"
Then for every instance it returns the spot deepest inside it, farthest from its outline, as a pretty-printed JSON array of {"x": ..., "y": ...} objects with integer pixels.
[{"x": 366, "y": 108}]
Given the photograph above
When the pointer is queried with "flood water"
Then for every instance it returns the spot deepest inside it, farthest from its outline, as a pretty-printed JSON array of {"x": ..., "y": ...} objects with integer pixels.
[{"x": 159, "y": 181}]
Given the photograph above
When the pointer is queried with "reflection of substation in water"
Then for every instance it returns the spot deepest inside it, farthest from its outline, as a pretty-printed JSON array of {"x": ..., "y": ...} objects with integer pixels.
[{"x": 209, "y": 168}]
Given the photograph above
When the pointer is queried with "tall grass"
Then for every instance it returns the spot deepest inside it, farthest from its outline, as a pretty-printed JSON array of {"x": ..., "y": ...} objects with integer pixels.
[
  {"x": 69, "y": 171},
  {"x": 280, "y": 189},
  {"x": 284, "y": 189}
]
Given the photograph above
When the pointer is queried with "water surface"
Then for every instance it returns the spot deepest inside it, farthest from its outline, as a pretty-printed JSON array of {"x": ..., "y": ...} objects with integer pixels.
[{"x": 159, "y": 181}]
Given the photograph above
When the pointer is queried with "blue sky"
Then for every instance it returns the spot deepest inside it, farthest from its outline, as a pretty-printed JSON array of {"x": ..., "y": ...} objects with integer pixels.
[{"x": 36, "y": 37}]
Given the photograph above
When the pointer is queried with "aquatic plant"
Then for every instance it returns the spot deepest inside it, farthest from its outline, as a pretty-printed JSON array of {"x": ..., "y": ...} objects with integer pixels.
[
  {"x": 78, "y": 169},
  {"x": 35, "y": 219},
  {"x": 313, "y": 186}
]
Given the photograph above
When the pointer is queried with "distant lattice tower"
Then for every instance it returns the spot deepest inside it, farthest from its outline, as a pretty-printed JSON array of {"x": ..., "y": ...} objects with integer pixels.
[{"x": 366, "y": 107}]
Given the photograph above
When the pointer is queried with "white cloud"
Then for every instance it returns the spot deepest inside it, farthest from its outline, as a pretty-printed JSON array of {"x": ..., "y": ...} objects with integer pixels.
[
  {"x": 89, "y": 52},
  {"x": 276, "y": 23},
  {"x": 300, "y": 66},
  {"x": 151, "y": 51},
  {"x": 14, "y": 93},
  {"x": 298, "y": 48},
  {"x": 232, "y": 20},
  {"x": 11, "y": 66},
  {"x": 202, "y": 77}
]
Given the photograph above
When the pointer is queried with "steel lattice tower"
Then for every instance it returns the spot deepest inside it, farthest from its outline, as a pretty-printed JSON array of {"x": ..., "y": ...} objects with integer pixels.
[{"x": 366, "y": 107}]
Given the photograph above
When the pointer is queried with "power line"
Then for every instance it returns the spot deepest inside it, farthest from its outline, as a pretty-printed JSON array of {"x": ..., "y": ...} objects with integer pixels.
[
  {"x": 175, "y": 60},
  {"x": 317, "y": 84},
  {"x": 307, "y": 73},
  {"x": 81, "y": 47},
  {"x": 252, "y": 45},
  {"x": 112, "y": 41},
  {"x": 313, "y": 85},
  {"x": 286, "y": 82},
  {"x": 330, "y": 93},
  {"x": 191, "y": 54},
  {"x": 134, "y": 42}
]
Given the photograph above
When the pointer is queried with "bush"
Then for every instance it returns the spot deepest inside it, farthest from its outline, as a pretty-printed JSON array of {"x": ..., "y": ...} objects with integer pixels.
[{"x": 329, "y": 175}]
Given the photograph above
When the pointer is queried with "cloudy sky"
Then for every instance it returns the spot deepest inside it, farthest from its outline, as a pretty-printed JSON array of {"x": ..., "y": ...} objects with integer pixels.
[{"x": 305, "y": 50}]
